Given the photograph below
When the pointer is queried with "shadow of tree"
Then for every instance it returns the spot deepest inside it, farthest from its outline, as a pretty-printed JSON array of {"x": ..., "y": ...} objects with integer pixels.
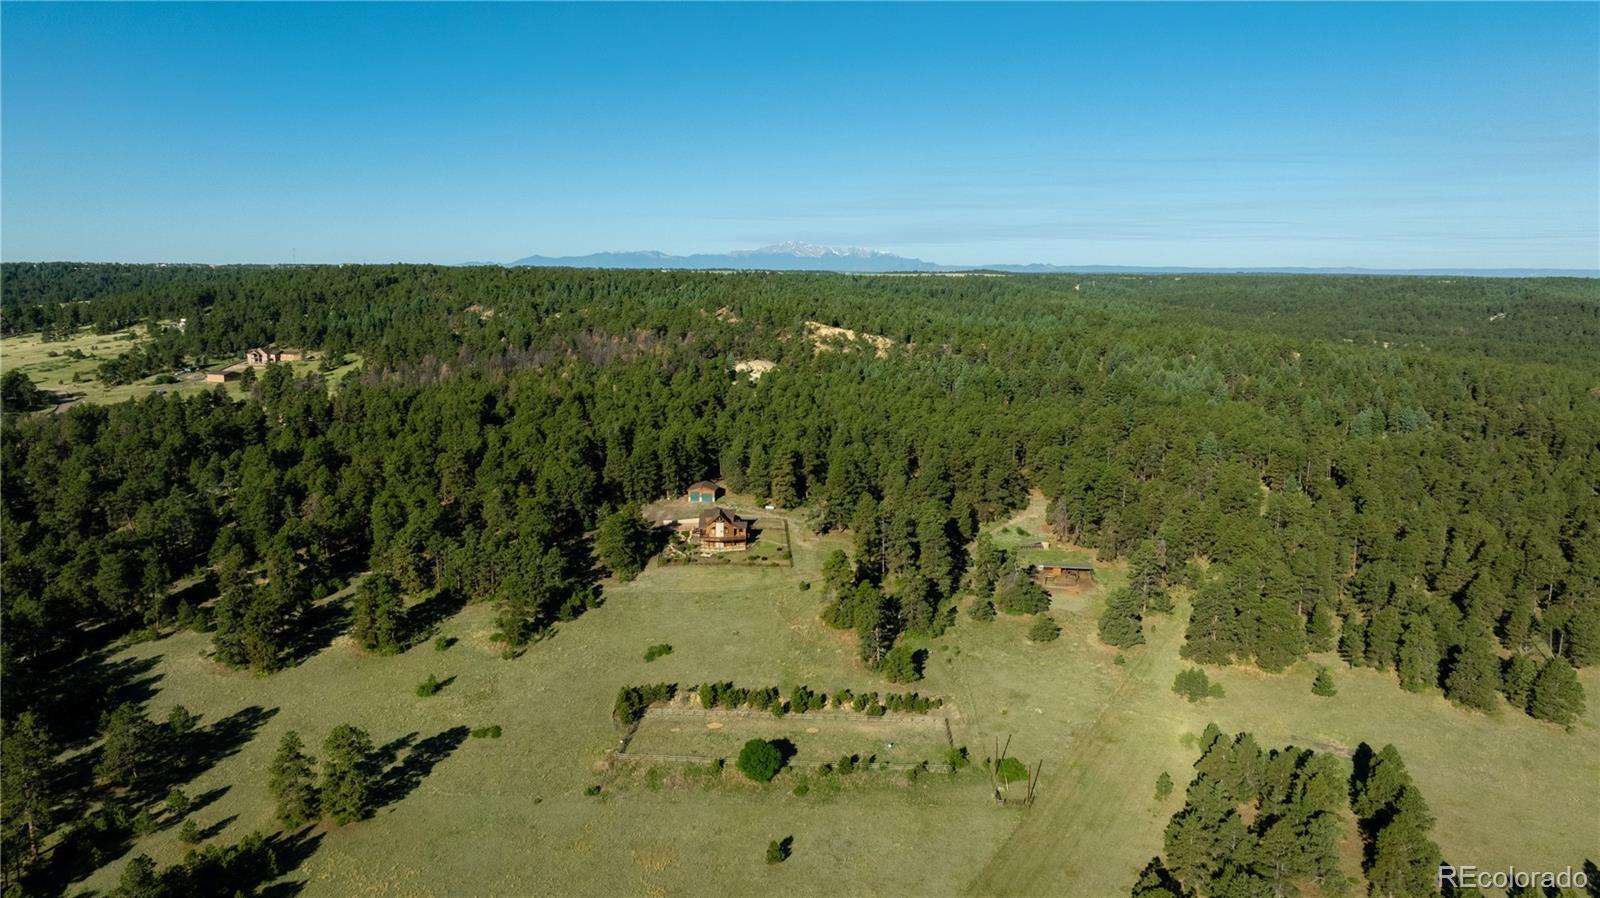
[
  {"x": 207, "y": 799},
  {"x": 389, "y": 751},
  {"x": 290, "y": 850},
  {"x": 423, "y": 619},
  {"x": 215, "y": 829},
  {"x": 318, "y": 629},
  {"x": 399, "y": 781},
  {"x": 91, "y": 686}
]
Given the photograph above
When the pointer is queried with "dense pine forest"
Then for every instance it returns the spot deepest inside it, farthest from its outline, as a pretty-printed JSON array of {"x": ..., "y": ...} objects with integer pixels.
[{"x": 1405, "y": 469}]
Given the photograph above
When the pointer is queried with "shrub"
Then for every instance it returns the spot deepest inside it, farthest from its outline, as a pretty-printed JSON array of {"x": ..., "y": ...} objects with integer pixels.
[
  {"x": 778, "y": 852},
  {"x": 443, "y": 643},
  {"x": 633, "y": 700},
  {"x": 801, "y": 790},
  {"x": 1044, "y": 629},
  {"x": 805, "y": 585},
  {"x": 177, "y": 802},
  {"x": 428, "y": 687},
  {"x": 760, "y": 760},
  {"x": 1194, "y": 685},
  {"x": 903, "y": 665},
  {"x": 489, "y": 732},
  {"x": 846, "y": 765},
  {"x": 981, "y": 610},
  {"x": 1163, "y": 786},
  {"x": 656, "y": 651},
  {"x": 1011, "y": 770},
  {"x": 956, "y": 758},
  {"x": 1022, "y": 596}
]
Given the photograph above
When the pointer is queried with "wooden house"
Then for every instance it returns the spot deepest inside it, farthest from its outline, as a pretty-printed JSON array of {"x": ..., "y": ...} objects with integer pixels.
[
  {"x": 267, "y": 355},
  {"x": 720, "y": 530},
  {"x": 704, "y": 493},
  {"x": 222, "y": 377}
]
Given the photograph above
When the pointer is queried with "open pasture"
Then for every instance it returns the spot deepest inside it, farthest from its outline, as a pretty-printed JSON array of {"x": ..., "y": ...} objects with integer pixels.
[{"x": 511, "y": 816}]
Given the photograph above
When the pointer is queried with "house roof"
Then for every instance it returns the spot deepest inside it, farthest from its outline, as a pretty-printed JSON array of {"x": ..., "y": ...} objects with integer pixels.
[
  {"x": 722, "y": 514},
  {"x": 705, "y": 485}
]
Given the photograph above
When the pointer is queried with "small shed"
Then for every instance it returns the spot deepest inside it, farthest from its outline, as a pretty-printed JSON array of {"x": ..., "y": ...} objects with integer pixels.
[
  {"x": 704, "y": 493},
  {"x": 1059, "y": 573},
  {"x": 221, "y": 377}
]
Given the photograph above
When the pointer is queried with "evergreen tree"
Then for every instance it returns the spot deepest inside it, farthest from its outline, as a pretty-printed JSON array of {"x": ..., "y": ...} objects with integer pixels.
[
  {"x": 1120, "y": 624},
  {"x": 869, "y": 539},
  {"x": 838, "y": 574},
  {"x": 989, "y": 563},
  {"x": 1419, "y": 655},
  {"x": 1319, "y": 629},
  {"x": 1353, "y": 643},
  {"x": 982, "y": 610},
  {"x": 140, "y": 879},
  {"x": 1280, "y": 635},
  {"x": 622, "y": 542},
  {"x": 785, "y": 484},
  {"x": 1020, "y": 595},
  {"x": 1516, "y": 680},
  {"x": 1044, "y": 629},
  {"x": 293, "y": 783},
  {"x": 1405, "y": 862},
  {"x": 900, "y": 665},
  {"x": 1383, "y": 638},
  {"x": 1155, "y": 882},
  {"x": 1474, "y": 674},
  {"x": 1323, "y": 684},
  {"x": 27, "y": 777},
  {"x": 378, "y": 614},
  {"x": 349, "y": 774},
  {"x": 1380, "y": 787},
  {"x": 1582, "y": 645},
  {"x": 1215, "y": 635},
  {"x": 127, "y": 746},
  {"x": 1557, "y": 695},
  {"x": 1147, "y": 575},
  {"x": 936, "y": 554}
]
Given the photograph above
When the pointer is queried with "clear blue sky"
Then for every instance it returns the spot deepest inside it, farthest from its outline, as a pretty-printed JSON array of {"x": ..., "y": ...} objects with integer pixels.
[{"x": 1371, "y": 135}]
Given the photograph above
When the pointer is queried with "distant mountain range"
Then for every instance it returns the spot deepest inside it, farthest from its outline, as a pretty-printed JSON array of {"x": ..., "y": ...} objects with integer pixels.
[{"x": 796, "y": 256}]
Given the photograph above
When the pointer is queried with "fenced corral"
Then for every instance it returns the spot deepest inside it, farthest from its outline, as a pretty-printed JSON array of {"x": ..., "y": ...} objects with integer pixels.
[{"x": 682, "y": 731}]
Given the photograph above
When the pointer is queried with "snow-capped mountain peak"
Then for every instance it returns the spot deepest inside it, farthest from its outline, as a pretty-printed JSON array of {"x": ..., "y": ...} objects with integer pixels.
[{"x": 810, "y": 251}]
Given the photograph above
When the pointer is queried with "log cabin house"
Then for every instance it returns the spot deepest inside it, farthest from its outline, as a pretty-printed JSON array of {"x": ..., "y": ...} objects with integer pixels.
[{"x": 720, "y": 530}]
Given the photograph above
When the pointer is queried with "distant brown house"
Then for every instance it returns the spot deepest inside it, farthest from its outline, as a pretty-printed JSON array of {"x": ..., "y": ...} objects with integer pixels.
[
  {"x": 266, "y": 355},
  {"x": 1059, "y": 574},
  {"x": 221, "y": 377},
  {"x": 720, "y": 530},
  {"x": 704, "y": 492}
]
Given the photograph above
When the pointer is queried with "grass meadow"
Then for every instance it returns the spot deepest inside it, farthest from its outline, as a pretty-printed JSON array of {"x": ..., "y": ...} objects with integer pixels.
[
  {"x": 52, "y": 369},
  {"x": 511, "y": 816}
]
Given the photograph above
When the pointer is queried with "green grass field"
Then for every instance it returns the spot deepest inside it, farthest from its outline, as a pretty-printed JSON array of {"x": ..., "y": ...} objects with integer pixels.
[
  {"x": 509, "y": 816},
  {"x": 52, "y": 369}
]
